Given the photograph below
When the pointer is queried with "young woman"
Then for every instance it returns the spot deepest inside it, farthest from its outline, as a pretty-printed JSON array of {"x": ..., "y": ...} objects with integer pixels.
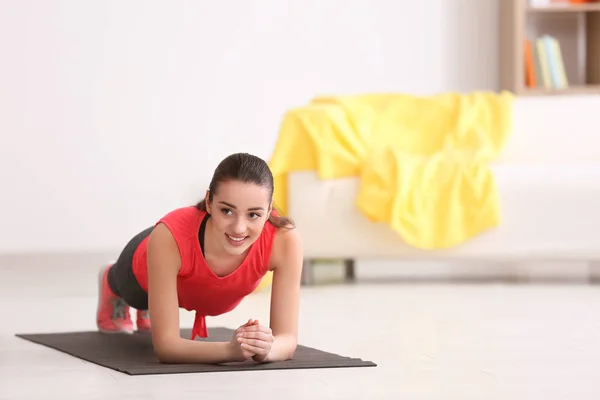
[{"x": 206, "y": 258}]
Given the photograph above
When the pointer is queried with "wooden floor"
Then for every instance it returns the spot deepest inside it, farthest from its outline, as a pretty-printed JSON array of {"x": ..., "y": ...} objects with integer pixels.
[{"x": 431, "y": 341}]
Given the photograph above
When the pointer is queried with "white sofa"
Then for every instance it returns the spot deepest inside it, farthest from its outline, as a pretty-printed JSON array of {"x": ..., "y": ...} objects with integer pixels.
[{"x": 549, "y": 183}]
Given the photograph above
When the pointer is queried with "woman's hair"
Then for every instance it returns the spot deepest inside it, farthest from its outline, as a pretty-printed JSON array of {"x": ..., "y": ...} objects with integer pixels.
[{"x": 244, "y": 167}]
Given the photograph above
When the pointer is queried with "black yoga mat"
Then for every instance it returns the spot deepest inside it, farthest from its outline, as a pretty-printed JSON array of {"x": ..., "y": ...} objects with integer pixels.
[{"x": 133, "y": 354}]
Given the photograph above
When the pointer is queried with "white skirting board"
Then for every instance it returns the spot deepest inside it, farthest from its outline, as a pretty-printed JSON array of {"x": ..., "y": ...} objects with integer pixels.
[
  {"x": 51, "y": 274},
  {"x": 75, "y": 274},
  {"x": 326, "y": 271}
]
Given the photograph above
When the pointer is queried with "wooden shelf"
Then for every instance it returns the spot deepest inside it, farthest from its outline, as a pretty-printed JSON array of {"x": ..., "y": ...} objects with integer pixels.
[
  {"x": 573, "y": 90},
  {"x": 574, "y": 28},
  {"x": 565, "y": 8}
]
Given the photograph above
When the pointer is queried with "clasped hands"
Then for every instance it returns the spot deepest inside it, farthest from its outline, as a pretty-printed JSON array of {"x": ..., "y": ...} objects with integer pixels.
[{"x": 253, "y": 340}]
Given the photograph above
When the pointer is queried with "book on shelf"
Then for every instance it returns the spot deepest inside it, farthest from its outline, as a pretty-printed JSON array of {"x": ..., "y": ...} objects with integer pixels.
[
  {"x": 554, "y": 3},
  {"x": 544, "y": 64},
  {"x": 539, "y": 3}
]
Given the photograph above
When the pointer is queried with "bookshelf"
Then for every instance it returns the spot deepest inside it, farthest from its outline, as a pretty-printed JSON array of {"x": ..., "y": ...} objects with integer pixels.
[{"x": 564, "y": 53}]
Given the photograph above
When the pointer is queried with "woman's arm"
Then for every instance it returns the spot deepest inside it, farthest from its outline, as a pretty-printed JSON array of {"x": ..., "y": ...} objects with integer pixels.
[
  {"x": 286, "y": 262},
  {"x": 164, "y": 263}
]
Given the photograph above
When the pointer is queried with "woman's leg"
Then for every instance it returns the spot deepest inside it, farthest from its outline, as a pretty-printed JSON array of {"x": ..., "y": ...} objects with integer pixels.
[{"x": 119, "y": 290}]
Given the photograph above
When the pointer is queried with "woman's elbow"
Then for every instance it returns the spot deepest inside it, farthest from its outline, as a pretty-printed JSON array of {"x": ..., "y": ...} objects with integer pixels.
[
  {"x": 292, "y": 351},
  {"x": 166, "y": 352},
  {"x": 287, "y": 354},
  {"x": 165, "y": 357},
  {"x": 289, "y": 349}
]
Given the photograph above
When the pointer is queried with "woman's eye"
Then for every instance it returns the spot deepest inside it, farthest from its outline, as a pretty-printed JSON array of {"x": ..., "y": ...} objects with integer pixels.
[
  {"x": 254, "y": 215},
  {"x": 226, "y": 211}
]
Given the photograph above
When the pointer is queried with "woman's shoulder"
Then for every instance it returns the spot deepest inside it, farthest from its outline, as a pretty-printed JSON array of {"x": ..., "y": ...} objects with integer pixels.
[
  {"x": 176, "y": 231},
  {"x": 182, "y": 222},
  {"x": 286, "y": 236},
  {"x": 280, "y": 226},
  {"x": 287, "y": 246},
  {"x": 184, "y": 212}
]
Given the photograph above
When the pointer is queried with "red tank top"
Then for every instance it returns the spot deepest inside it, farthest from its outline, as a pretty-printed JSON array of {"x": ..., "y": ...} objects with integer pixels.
[{"x": 199, "y": 289}]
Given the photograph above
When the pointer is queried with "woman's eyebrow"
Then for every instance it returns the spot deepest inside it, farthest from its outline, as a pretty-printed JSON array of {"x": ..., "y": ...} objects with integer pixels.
[{"x": 235, "y": 208}]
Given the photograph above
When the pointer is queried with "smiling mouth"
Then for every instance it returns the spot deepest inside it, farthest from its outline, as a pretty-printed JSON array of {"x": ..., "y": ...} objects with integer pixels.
[{"x": 236, "y": 240}]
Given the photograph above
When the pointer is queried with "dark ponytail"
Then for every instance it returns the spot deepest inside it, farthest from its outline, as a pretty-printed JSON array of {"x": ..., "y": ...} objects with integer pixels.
[{"x": 279, "y": 221}]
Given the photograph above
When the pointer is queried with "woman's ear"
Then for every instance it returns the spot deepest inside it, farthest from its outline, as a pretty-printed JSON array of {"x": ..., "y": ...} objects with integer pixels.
[{"x": 207, "y": 201}]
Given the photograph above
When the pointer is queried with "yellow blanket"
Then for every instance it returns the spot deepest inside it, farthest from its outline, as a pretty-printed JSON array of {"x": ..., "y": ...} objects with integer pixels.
[{"x": 421, "y": 161}]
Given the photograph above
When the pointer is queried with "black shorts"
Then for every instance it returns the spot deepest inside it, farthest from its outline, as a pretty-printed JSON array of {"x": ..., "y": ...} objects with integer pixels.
[{"x": 121, "y": 279}]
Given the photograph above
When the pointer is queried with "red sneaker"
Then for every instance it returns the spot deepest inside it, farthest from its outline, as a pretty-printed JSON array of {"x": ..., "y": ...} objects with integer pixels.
[
  {"x": 112, "y": 314},
  {"x": 143, "y": 321}
]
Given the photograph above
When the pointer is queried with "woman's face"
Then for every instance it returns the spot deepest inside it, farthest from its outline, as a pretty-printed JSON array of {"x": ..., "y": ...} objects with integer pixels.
[{"x": 238, "y": 213}]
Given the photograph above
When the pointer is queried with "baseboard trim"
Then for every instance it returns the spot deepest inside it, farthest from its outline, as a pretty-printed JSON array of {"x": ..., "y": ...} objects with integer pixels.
[
  {"x": 52, "y": 274},
  {"x": 74, "y": 274},
  {"x": 421, "y": 272},
  {"x": 75, "y": 259}
]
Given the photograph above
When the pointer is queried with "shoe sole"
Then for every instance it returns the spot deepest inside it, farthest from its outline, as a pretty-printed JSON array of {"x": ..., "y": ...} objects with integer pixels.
[
  {"x": 143, "y": 330},
  {"x": 100, "y": 279}
]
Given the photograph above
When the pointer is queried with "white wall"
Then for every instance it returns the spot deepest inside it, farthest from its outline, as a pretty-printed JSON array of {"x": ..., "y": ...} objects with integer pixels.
[{"x": 113, "y": 112}]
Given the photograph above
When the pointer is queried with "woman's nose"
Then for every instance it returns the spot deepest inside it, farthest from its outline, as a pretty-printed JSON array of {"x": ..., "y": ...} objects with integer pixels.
[{"x": 239, "y": 227}]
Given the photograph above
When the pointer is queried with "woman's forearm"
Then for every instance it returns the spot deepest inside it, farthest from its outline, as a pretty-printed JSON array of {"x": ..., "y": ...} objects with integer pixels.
[
  {"x": 283, "y": 348},
  {"x": 185, "y": 351}
]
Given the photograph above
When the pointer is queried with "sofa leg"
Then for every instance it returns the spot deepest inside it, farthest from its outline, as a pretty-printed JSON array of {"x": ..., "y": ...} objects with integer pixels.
[
  {"x": 594, "y": 272},
  {"x": 307, "y": 278},
  {"x": 350, "y": 270}
]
